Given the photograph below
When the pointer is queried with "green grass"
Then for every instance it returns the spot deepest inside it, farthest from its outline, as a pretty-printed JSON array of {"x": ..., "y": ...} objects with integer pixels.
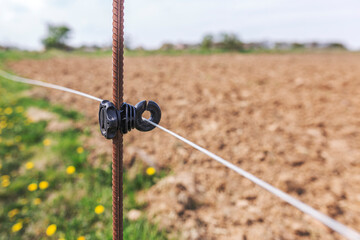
[{"x": 70, "y": 200}]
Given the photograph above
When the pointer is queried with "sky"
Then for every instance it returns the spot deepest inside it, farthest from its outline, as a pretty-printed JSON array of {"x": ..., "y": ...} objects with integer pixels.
[{"x": 149, "y": 23}]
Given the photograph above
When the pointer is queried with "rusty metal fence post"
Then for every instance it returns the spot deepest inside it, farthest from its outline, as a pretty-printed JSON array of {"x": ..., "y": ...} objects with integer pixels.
[{"x": 118, "y": 76}]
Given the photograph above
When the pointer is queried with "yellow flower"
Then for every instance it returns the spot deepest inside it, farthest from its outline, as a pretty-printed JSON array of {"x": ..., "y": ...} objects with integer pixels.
[
  {"x": 19, "y": 109},
  {"x": 32, "y": 187},
  {"x": 61, "y": 239},
  {"x": 43, "y": 185},
  {"x": 81, "y": 238},
  {"x": 13, "y": 212},
  {"x": 37, "y": 201},
  {"x": 29, "y": 165},
  {"x": 80, "y": 150},
  {"x": 3, "y": 124},
  {"x": 150, "y": 171},
  {"x": 8, "y": 111},
  {"x": 99, "y": 209},
  {"x": 17, "y": 227},
  {"x": 5, "y": 183},
  {"x": 51, "y": 230},
  {"x": 47, "y": 142},
  {"x": 70, "y": 170}
]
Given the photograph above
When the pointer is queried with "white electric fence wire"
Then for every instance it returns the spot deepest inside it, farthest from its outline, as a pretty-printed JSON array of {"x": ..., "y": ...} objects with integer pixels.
[
  {"x": 44, "y": 84},
  {"x": 331, "y": 223}
]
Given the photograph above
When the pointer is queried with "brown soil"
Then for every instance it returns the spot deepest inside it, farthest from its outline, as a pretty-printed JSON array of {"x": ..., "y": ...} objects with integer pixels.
[{"x": 292, "y": 120}]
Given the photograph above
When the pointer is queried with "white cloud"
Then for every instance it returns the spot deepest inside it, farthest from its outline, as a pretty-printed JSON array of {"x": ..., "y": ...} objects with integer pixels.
[{"x": 149, "y": 23}]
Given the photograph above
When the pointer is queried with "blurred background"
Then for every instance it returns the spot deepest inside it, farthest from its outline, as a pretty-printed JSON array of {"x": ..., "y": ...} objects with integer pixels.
[{"x": 271, "y": 86}]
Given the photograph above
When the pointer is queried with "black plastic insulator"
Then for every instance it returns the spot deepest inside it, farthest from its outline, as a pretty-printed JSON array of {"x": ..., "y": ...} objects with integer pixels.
[{"x": 128, "y": 117}]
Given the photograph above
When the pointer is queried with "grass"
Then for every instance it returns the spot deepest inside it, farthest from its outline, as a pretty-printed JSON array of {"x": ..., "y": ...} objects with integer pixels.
[
  {"x": 14, "y": 55},
  {"x": 47, "y": 181}
]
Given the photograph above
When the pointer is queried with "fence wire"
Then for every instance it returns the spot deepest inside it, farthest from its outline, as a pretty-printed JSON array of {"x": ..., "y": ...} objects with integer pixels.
[
  {"x": 44, "y": 84},
  {"x": 330, "y": 222}
]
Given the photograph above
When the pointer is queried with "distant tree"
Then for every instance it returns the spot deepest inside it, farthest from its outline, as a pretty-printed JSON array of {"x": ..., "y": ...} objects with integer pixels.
[
  {"x": 57, "y": 37},
  {"x": 207, "y": 42},
  {"x": 230, "y": 42},
  {"x": 336, "y": 45},
  {"x": 297, "y": 45}
]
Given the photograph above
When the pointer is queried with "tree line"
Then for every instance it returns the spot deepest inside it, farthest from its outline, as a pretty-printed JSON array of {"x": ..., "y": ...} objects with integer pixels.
[{"x": 58, "y": 37}]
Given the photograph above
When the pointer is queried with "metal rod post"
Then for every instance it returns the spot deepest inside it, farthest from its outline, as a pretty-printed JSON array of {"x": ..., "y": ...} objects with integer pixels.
[{"x": 118, "y": 76}]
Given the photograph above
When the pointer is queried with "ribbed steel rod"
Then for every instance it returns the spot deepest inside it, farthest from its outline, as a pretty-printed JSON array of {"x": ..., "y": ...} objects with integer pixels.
[{"x": 118, "y": 76}]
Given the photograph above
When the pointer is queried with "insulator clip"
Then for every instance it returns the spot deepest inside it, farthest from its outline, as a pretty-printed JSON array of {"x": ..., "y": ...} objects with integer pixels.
[{"x": 128, "y": 117}]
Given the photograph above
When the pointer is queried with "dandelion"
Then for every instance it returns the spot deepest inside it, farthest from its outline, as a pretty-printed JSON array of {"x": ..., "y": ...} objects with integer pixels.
[
  {"x": 3, "y": 124},
  {"x": 32, "y": 187},
  {"x": 70, "y": 170},
  {"x": 37, "y": 201},
  {"x": 5, "y": 183},
  {"x": 80, "y": 150},
  {"x": 99, "y": 209},
  {"x": 29, "y": 165},
  {"x": 81, "y": 238},
  {"x": 51, "y": 229},
  {"x": 47, "y": 142},
  {"x": 43, "y": 185},
  {"x": 17, "y": 227},
  {"x": 13, "y": 212},
  {"x": 150, "y": 171},
  {"x": 8, "y": 111},
  {"x": 19, "y": 109}
]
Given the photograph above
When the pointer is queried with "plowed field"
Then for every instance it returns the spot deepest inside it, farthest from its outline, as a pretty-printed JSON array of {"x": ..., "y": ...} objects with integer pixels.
[{"x": 292, "y": 120}]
